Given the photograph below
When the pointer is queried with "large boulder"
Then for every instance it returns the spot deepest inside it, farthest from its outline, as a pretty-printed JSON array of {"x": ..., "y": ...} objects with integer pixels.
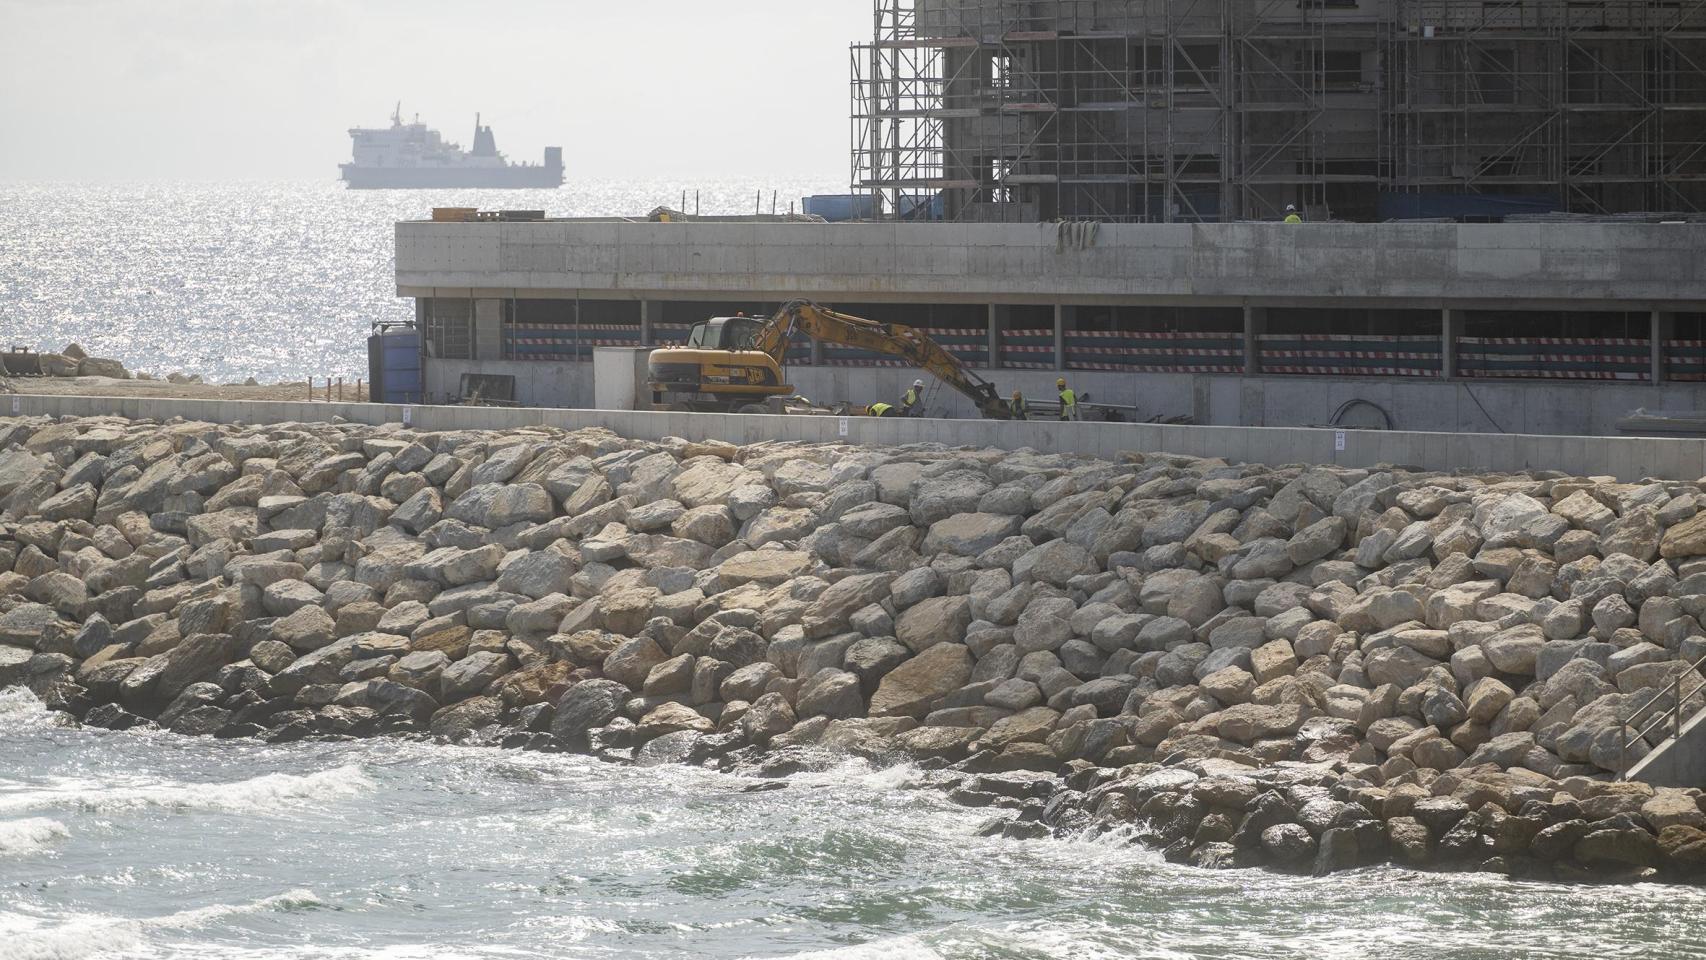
[
  {"x": 966, "y": 534},
  {"x": 587, "y": 706},
  {"x": 913, "y": 688},
  {"x": 934, "y": 620}
]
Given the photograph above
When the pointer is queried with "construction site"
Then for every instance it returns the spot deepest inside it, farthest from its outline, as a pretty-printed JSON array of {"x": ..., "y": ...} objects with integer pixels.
[
  {"x": 1205, "y": 110},
  {"x": 1498, "y": 223}
]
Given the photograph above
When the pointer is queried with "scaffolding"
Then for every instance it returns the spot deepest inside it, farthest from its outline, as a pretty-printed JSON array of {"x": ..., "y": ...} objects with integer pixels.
[
  {"x": 1192, "y": 110},
  {"x": 1598, "y": 107}
]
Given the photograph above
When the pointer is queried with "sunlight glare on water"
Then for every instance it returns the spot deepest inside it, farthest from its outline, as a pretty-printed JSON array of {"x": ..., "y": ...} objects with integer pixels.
[{"x": 272, "y": 280}]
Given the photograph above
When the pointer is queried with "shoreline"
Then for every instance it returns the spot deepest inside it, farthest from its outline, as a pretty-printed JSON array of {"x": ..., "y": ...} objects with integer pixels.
[{"x": 1304, "y": 668}]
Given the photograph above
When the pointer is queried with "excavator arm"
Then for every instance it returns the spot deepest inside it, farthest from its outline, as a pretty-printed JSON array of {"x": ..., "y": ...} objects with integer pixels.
[{"x": 907, "y": 343}]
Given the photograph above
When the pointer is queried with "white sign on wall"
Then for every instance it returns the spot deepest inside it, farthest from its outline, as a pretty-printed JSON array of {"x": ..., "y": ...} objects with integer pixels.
[
  {"x": 17, "y": 404},
  {"x": 841, "y": 426},
  {"x": 1339, "y": 440},
  {"x": 408, "y": 415}
]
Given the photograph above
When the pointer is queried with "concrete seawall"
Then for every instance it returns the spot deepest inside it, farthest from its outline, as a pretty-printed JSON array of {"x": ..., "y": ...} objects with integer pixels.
[{"x": 1626, "y": 458}]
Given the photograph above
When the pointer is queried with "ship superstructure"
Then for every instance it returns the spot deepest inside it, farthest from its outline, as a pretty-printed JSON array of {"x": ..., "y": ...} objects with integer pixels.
[{"x": 413, "y": 156}]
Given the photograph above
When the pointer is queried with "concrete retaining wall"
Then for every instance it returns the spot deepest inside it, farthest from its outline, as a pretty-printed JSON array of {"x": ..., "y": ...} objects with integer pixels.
[
  {"x": 1586, "y": 408},
  {"x": 1624, "y": 458}
]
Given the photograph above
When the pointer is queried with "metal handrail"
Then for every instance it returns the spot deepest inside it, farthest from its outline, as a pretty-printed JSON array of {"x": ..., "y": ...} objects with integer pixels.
[{"x": 1629, "y": 734}]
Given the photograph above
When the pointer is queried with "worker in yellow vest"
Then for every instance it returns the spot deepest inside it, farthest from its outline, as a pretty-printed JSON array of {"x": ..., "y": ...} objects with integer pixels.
[
  {"x": 880, "y": 409},
  {"x": 909, "y": 404},
  {"x": 1291, "y": 214},
  {"x": 1068, "y": 400},
  {"x": 1016, "y": 407}
]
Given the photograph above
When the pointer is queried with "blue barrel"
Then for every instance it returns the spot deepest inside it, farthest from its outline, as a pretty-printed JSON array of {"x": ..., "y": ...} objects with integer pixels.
[{"x": 394, "y": 363}]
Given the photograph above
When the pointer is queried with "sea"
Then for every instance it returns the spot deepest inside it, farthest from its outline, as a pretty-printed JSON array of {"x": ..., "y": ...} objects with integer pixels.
[
  {"x": 151, "y": 845},
  {"x": 275, "y": 280}
]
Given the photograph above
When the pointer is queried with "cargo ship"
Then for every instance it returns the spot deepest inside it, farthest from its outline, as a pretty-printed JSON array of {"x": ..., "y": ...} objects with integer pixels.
[{"x": 409, "y": 156}]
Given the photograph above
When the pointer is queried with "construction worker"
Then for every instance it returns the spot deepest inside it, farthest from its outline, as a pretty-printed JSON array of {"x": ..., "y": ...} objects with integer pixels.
[
  {"x": 910, "y": 404},
  {"x": 880, "y": 409},
  {"x": 1068, "y": 400},
  {"x": 1291, "y": 214},
  {"x": 1016, "y": 407}
]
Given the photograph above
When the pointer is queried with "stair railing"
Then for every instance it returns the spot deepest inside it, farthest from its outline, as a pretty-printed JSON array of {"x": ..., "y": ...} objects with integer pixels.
[{"x": 1671, "y": 714}]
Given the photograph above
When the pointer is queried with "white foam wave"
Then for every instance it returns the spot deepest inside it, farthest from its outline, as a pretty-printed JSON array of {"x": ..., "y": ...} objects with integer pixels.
[
  {"x": 23, "y": 837},
  {"x": 75, "y": 939},
  {"x": 255, "y": 795},
  {"x": 203, "y": 916},
  {"x": 83, "y": 936},
  {"x": 890, "y": 948},
  {"x": 20, "y": 709}
]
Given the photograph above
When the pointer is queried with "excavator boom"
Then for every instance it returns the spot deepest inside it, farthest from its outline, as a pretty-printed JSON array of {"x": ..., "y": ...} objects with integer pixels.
[{"x": 897, "y": 340}]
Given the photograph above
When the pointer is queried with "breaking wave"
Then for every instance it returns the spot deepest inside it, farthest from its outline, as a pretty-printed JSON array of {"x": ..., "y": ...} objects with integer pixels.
[
  {"x": 23, "y": 837},
  {"x": 255, "y": 795},
  {"x": 75, "y": 938}
]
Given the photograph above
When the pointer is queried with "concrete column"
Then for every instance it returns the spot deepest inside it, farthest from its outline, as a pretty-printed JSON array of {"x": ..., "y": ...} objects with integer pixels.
[
  {"x": 1060, "y": 336},
  {"x": 817, "y": 353},
  {"x": 1000, "y": 318},
  {"x": 1255, "y": 324},
  {"x": 1663, "y": 329},
  {"x": 1451, "y": 327},
  {"x": 649, "y": 311},
  {"x": 488, "y": 330}
]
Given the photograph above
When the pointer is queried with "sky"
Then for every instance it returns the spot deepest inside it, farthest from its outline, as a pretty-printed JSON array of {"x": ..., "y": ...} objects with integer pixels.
[{"x": 96, "y": 90}]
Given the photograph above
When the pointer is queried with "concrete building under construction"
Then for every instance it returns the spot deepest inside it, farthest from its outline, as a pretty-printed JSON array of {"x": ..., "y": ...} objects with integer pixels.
[
  {"x": 1203, "y": 110},
  {"x": 1098, "y": 174}
]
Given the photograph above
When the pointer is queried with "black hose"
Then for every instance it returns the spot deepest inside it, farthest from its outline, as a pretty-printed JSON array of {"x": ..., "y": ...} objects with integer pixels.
[{"x": 1334, "y": 420}]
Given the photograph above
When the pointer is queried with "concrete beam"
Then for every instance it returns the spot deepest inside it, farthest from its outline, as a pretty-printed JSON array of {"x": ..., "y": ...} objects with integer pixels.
[{"x": 1581, "y": 266}]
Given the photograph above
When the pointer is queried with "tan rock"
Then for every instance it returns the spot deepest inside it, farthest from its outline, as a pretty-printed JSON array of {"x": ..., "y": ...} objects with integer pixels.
[{"x": 913, "y": 688}]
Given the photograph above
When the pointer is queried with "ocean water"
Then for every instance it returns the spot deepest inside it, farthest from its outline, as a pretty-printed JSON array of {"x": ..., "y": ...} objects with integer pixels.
[
  {"x": 150, "y": 845},
  {"x": 274, "y": 280}
]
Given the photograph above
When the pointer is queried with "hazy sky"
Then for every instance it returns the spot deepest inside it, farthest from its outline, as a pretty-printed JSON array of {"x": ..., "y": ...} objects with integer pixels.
[{"x": 214, "y": 89}]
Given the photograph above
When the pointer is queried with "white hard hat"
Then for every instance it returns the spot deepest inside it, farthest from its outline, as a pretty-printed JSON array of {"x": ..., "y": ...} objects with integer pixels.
[
  {"x": 918, "y": 383},
  {"x": 1290, "y": 209}
]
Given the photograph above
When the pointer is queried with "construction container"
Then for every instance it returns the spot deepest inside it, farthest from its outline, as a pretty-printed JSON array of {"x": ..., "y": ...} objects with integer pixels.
[
  {"x": 839, "y": 207},
  {"x": 394, "y": 363},
  {"x": 453, "y": 214}
]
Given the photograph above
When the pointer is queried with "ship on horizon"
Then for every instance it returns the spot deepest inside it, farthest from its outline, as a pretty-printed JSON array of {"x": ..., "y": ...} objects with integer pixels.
[{"x": 410, "y": 156}]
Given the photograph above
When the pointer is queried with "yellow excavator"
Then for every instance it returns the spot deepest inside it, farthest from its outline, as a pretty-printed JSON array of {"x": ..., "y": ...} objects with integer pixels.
[{"x": 734, "y": 364}]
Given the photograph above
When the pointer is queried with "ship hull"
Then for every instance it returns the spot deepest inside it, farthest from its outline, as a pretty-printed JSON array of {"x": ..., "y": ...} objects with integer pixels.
[{"x": 450, "y": 178}]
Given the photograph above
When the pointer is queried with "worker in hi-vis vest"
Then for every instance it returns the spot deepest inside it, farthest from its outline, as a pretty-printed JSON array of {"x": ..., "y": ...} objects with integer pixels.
[
  {"x": 1068, "y": 400},
  {"x": 880, "y": 409},
  {"x": 1291, "y": 214},
  {"x": 1016, "y": 407},
  {"x": 910, "y": 404}
]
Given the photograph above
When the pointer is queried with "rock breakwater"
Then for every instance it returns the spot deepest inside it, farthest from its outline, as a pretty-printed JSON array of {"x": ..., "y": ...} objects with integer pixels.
[{"x": 1302, "y": 667}]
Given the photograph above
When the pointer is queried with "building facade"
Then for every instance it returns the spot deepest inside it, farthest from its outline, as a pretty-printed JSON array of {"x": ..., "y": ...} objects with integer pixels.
[
  {"x": 1204, "y": 110},
  {"x": 1519, "y": 328}
]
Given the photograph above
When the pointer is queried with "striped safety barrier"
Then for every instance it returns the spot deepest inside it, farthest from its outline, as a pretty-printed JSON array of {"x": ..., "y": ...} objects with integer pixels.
[
  {"x": 1685, "y": 359},
  {"x": 1028, "y": 349},
  {"x": 1331, "y": 354},
  {"x": 565, "y": 341},
  {"x": 970, "y": 345},
  {"x": 1555, "y": 358},
  {"x": 1154, "y": 352}
]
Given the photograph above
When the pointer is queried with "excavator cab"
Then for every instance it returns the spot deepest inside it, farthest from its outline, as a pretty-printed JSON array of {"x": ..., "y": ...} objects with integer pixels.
[{"x": 725, "y": 333}]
